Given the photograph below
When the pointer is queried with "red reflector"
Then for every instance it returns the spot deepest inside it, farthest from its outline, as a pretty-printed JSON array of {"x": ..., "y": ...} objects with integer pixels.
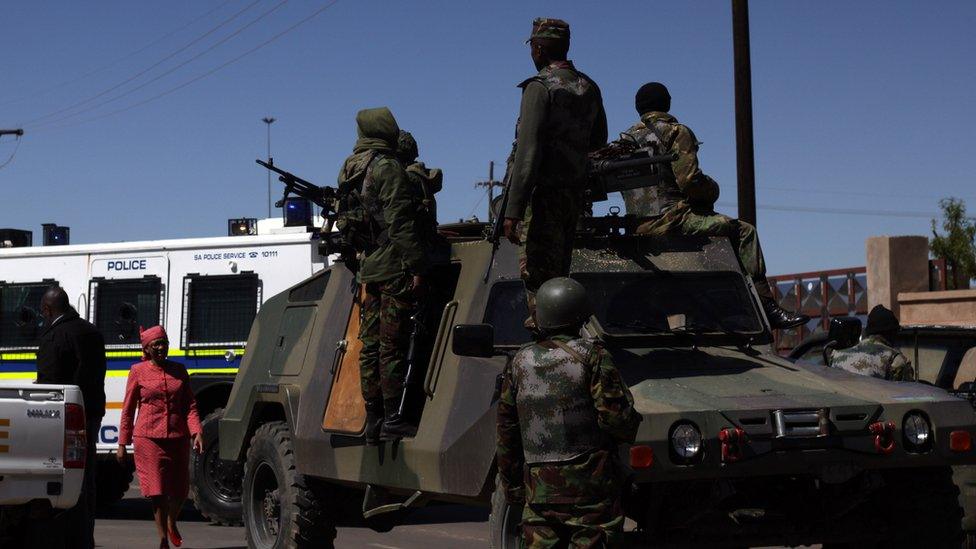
[
  {"x": 641, "y": 457},
  {"x": 75, "y": 438},
  {"x": 959, "y": 441}
]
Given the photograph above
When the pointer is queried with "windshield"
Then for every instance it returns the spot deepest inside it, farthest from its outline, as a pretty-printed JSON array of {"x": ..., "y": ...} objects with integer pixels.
[{"x": 667, "y": 302}]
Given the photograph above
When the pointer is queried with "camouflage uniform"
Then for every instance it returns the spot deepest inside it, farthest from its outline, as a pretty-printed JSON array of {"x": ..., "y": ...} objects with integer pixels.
[
  {"x": 874, "y": 357},
  {"x": 426, "y": 182},
  {"x": 561, "y": 119},
  {"x": 688, "y": 203},
  {"x": 662, "y": 132},
  {"x": 562, "y": 411},
  {"x": 395, "y": 255}
]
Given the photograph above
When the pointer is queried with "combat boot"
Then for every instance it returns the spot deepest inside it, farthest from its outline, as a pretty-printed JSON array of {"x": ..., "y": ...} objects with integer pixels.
[
  {"x": 374, "y": 421},
  {"x": 780, "y": 318},
  {"x": 395, "y": 426}
]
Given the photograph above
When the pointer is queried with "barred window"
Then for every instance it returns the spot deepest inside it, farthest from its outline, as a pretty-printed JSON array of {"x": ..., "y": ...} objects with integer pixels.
[
  {"x": 20, "y": 314},
  {"x": 218, "y": 310},
  {"x": 120, "y": 307}
]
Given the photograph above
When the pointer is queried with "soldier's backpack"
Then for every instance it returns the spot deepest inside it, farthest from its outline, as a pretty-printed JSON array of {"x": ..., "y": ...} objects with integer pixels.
[{"x": 359, "y": 215}]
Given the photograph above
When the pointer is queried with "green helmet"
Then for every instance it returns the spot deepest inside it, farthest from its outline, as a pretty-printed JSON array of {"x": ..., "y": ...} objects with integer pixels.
[
  {"x": 406, "y": 150},
  {"x": 561, "y": 303}
]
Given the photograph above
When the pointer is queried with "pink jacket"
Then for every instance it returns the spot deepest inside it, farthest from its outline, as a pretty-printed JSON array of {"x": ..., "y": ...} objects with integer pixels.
[{"x": 165, "y": 401}]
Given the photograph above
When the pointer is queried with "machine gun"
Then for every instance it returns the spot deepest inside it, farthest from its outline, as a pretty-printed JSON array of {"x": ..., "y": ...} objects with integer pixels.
[
  {"x": 324, "y": 197},
  {"x": 619, "y": 168}
]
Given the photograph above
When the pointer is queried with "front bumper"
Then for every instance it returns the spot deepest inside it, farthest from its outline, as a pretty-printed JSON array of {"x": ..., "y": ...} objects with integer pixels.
[{"x": 845, "y": 446}]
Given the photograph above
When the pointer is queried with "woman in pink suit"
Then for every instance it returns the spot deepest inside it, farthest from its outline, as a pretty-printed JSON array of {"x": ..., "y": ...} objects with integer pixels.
[{"x": 166, "y": 424}]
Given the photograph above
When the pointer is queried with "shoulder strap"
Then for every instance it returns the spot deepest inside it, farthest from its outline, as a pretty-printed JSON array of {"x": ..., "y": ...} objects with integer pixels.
[
  {"x": 572, "y": 352},
  {"x": 656, "y": 127}
]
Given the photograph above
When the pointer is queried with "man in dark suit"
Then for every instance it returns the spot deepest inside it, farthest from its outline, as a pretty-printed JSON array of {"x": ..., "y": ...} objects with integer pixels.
[{"x": 71, "y": 351}]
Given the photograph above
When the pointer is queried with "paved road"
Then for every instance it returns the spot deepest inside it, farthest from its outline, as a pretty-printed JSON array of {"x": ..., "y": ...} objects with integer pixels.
[{"x": 128, "y": 525}]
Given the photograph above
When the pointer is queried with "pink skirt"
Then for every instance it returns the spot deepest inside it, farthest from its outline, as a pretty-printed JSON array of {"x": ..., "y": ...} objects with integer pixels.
[{"x": 163, "y": 466}]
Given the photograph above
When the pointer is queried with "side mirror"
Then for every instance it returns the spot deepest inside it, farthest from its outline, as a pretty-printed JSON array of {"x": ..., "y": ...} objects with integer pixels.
[
  {"x": 845, "y": 331},
  {"x": 474, "y": 340}
]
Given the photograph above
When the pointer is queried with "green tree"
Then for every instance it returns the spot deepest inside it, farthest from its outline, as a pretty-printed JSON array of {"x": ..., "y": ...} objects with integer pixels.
[{"x": 958, "y": 244}]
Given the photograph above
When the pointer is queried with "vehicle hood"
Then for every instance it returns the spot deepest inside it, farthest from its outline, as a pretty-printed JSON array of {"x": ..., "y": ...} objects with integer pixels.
[{"x": 690, "y": 380}]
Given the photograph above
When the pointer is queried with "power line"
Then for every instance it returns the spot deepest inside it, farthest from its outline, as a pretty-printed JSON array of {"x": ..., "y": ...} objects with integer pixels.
[
  {"x": 13, "y": 154},
  {"x": 143, "y": 71},
  {"x": 111, "y": 64},
  {"x": 205, "y": 74},
  {"x": 842, "y": 211},
  {"x": 173, "y": 69},
  {"x": 845, "y": 192}
]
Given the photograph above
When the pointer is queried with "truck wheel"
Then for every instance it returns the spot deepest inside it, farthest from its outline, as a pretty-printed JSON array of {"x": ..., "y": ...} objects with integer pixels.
[
  {"x": 281, "y": 508},
  {"x": 504, "y": 521},
  {"x": 112, "y": 479},
  {"x": 215, "y": 484},
  {"x": 922, "y": 508}
]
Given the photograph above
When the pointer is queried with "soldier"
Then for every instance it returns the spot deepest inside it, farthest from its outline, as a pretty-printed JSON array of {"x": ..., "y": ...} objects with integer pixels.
[
  {"x": 562, "y": 412},
  {"x": 873, "y": 355},
  {"x": 427, "y": 182},
  {"x": 687, "y": 198},
  {"x": 561, "y": 119},
  {"x": 392, "y": 268}
]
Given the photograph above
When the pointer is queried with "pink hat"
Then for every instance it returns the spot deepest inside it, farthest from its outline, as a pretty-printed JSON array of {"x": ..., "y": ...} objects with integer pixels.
[{"x": 149, "y": 335}]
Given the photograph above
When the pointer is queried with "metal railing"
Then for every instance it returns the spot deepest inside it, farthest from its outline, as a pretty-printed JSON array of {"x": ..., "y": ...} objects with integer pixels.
[{"x": 820, "y": 295}]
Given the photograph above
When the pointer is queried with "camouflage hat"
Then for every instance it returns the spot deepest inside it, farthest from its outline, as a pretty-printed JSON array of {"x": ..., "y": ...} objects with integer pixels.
[{"x": 545, "y": 27}]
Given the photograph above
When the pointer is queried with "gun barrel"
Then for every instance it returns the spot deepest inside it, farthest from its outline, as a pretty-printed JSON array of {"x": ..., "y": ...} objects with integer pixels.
[
  {"x": 605, "y": 166},
  {"x": 300, "y": 187}
]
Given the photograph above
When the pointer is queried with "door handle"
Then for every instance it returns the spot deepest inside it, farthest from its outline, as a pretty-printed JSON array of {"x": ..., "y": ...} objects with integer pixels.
[{"x": 440, "y": 344}]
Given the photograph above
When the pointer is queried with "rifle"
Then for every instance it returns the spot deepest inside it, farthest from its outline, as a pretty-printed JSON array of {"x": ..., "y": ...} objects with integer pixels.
[
  {"x": 498, "y": 229},
  {"x": 417, "y": 336}
]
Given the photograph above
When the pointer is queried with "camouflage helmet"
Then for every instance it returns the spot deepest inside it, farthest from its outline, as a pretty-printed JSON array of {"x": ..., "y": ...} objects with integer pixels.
[
  {"x": 561, "y": 303},
  {"x": 549, "y": 28},
  {"x": 406, "y": 149}
]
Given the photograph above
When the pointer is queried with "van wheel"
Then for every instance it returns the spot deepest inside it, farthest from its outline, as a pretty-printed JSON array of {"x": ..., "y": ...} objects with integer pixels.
[
  {"x": 505, "y": 521},
  {"x": 112, "y": 479},
  {"x": 215, "y": 484},
  {"x": 281, "y": 509}
]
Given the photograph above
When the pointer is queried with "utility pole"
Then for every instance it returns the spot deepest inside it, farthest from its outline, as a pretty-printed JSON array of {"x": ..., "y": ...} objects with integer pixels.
[
  {"x": 268, "y": 120},
  {"x": 491, "y": 184},
  {"x": 744, "y": 151},
  {"x": 18, "y": 132}
]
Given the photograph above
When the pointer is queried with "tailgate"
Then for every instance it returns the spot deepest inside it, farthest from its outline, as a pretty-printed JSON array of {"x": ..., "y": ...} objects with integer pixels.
[{"x": 32, "y": 429}]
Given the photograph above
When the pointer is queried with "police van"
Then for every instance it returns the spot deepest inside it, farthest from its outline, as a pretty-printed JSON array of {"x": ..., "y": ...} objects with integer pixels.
[{"x": 204, "y": 291}]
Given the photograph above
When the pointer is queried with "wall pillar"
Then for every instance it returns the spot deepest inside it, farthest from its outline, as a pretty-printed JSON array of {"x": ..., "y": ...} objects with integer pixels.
[{"x": 896, "y": 264}]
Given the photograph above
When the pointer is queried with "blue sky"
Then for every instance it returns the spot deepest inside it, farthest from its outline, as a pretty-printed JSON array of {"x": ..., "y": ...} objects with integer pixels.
[{"x": 864, "y": 106}]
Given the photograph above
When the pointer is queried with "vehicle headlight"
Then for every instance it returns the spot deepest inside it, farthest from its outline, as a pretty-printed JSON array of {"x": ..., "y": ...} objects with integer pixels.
[
  {"x": 916, "y": 431},
  {"x": 686, "y": 441}
]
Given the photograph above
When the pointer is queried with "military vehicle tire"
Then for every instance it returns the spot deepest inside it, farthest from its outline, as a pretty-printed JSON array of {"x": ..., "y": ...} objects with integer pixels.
[
  {"x": 112, "y": 479},
  {"x": 281, "y": 508},
  {"x": 215, "y": 484},
  {"x": 504, "y": 521}
]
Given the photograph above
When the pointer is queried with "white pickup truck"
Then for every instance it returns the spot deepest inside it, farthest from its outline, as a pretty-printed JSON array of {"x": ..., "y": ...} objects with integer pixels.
[{"x": 42, "y": 449}]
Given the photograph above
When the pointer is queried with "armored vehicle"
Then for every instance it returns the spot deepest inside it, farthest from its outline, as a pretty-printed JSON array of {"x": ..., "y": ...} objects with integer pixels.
[{"x": 737, "y": 447}]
